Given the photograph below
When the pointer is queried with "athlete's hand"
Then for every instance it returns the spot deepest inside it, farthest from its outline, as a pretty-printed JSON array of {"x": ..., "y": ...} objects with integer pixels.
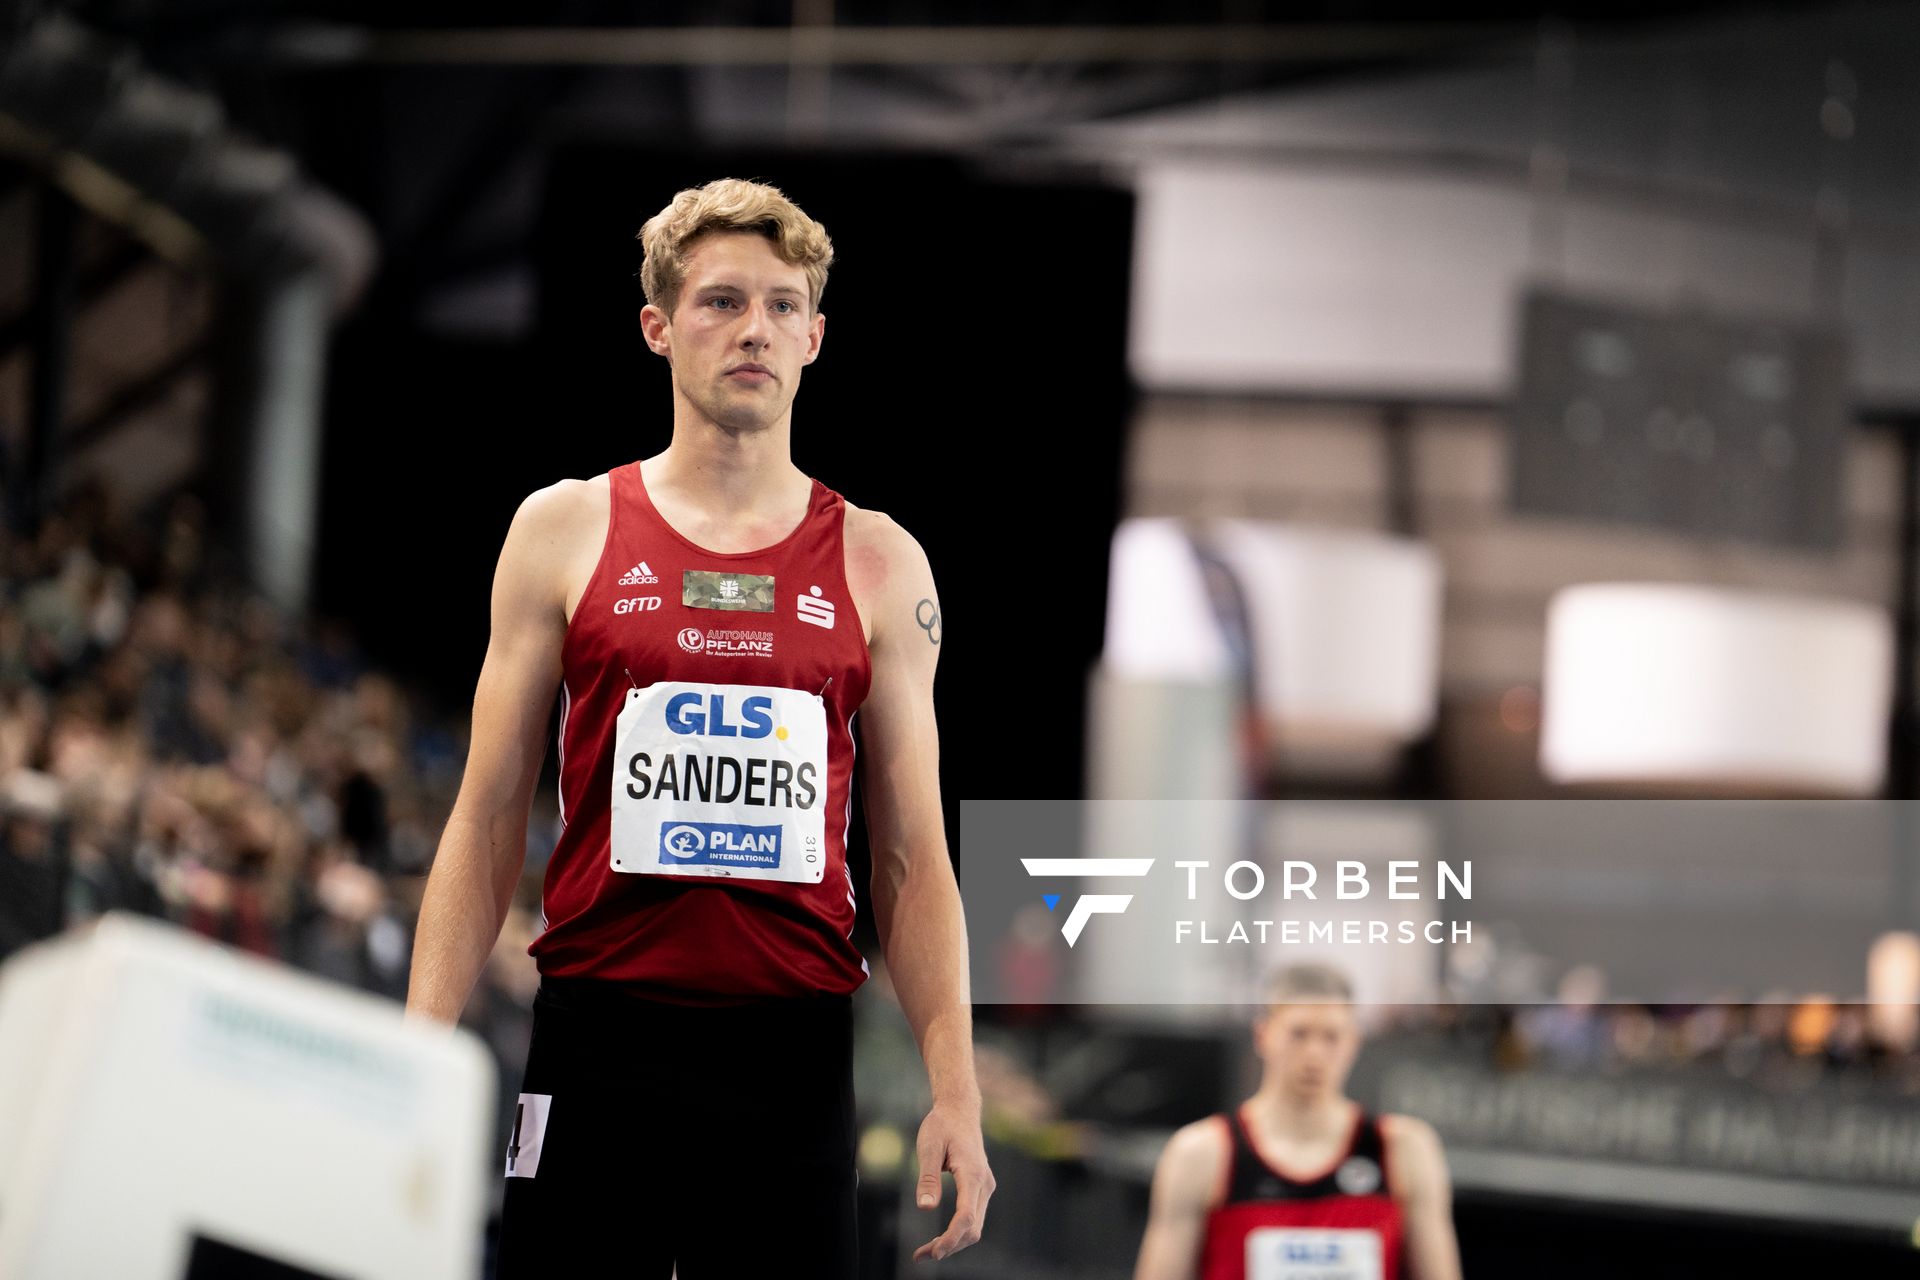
[{"x": 950, "y": 1139}]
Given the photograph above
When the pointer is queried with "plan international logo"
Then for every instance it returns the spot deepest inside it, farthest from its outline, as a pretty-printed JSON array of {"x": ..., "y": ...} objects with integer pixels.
[{"x": 1091, "y": 904}]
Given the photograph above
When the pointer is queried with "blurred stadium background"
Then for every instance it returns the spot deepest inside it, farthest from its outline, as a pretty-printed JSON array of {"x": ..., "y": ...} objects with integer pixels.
[{"x": 1367, "y": 323}]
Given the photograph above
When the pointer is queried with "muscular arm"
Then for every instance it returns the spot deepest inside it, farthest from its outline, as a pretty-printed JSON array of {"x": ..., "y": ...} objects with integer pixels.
[
  {"x": 1425, "y": 1192},
  {"x": 1183, "y": 1187},
  {"x": 916, "y": 900},
  {"x": 485, "y": 842}
]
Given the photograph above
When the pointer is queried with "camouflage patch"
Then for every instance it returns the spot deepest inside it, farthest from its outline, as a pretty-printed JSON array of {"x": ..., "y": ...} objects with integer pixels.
[{"x": 743, "y": 592}]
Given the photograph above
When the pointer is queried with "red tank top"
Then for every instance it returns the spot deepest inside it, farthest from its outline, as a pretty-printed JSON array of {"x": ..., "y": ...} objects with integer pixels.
[
  {"x": 734, "y": 778},
  {"x": 1342, "y": 1223}
]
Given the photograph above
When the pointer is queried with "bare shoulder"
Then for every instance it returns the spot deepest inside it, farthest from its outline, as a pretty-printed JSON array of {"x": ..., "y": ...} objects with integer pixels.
[
  {"x": 887, "y": 569},
  {"x": 1191, "y": 1164},
  {"x": 879, "y": 535},
  {"x": 1405, "y": 1130},
  {"x": 556, "y": 536},
  {"x": 1202, "y": 1140},
  {"x": 1415, "y": 1158},
  {"x": 564, "y": 502}
]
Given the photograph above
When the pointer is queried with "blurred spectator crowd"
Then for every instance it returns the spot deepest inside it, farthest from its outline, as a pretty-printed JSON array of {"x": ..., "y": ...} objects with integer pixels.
[
  {"x": 1786, "y": 1044},
  {"x": 173, "y": 744}
]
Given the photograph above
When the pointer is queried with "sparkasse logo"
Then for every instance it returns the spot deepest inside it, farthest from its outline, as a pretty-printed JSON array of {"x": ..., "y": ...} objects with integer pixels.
[{"x": 811, "y": 608}]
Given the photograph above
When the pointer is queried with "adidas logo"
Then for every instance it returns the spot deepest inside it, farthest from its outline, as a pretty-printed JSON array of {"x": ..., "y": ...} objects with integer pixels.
[{"x": 638, "y": 575}]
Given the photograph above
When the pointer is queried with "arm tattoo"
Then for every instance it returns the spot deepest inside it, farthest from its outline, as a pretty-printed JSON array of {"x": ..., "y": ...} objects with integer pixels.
[{"x": 928, "y": 616}]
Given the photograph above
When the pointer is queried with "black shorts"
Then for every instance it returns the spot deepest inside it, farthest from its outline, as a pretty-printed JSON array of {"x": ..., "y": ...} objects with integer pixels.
[{"x": 651, "y": 1135}]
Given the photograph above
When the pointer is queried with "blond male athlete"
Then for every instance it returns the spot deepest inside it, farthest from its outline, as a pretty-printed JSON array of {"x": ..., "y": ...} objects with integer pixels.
[
  {"x": 711, "y": 618},
  {"x": 1299, "y": 1182}
]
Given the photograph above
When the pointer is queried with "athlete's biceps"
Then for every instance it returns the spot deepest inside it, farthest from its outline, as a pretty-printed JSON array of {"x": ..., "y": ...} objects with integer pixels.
[
  {"x": 1423, "y": 1166},
  {"x": 880, "y": 717},
  {"x": 511, "y": 704},
  {"x": 1168, "y": 1248},
  {"x": 888, "y": 749},
  {"x": 521, "y": 672},
  {"x": 899, "y": 706},
  {"x": 1159, "y": 1247},
  {"x": 913, "y": 622}
]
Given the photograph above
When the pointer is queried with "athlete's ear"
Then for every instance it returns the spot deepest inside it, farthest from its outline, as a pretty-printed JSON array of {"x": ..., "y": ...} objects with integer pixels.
[
  {"x": 657, "y": 328},
  {"x": 819, "y": 332}
]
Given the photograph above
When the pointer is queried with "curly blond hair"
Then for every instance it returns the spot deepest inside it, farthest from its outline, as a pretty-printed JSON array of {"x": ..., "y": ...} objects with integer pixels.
[{"x": 729, "y": 204}]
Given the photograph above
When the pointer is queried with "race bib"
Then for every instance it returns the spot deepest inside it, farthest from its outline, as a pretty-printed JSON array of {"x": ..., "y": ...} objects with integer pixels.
[
  {"x": 1311, "y": 1253},
  {"x": 720, "y": 780}
]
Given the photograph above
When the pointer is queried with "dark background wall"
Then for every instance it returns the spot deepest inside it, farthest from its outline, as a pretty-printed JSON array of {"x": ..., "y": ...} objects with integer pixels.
[{"x": 972, "y": 385}]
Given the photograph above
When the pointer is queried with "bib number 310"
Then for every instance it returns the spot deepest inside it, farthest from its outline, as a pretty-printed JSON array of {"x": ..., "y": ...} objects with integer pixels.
[{"x": 720, "y": 780}]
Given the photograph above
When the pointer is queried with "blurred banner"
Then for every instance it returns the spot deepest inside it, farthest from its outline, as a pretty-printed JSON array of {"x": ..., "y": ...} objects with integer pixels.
[
  {"x": 1719, "y": 426},
  {"x": 1656, "y": 1117},
  {"x": 1190, "y": 902}
]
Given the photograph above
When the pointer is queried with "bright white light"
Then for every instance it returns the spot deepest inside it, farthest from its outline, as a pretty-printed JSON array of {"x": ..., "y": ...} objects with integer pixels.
[
  {"x": 1710, "y": 685},
  {"x": 1159, "y": 625},
  {"x": 1345, "y": 627}
]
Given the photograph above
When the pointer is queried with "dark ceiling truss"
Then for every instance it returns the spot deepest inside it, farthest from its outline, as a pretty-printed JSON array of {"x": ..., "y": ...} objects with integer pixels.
[
  {"x": 150, "y": 388},
  {"x": 94, "y": 282}
]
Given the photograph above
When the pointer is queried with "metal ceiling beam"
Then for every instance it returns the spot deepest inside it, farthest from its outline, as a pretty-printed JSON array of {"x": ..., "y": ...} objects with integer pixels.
[
  {"x": 157, "y": 158},
  {"x": 888, "y": 46},
  {"x": 135, "y": 397},
  {"x": 1708, "y": 203},
  {"x": 94, "y": 283}
]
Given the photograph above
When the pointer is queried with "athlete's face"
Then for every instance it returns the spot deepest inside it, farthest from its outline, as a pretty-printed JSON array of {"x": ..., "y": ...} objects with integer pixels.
[
  {"x": 740, "y": 333},
  {"x": 1308, "y": 1047}
]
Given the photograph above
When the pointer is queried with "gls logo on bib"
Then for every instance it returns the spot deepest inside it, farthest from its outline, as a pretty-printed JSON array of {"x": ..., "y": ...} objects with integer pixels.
[
  {"x": 720, "y": 780},
  {"x": 687, "y": 714},
  {"x": 1313, "y": 1253}
]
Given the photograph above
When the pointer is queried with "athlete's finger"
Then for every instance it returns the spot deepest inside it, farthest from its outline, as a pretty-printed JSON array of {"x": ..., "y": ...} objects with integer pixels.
[
  {"x": 960, "y": 1233},
  {"x": 969, "y": 1214},
  {"x": 933, "y": 1154},
  {"x": 972, "y": 1187}
]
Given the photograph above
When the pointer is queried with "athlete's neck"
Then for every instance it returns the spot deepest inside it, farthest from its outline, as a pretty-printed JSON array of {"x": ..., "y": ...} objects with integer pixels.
[
  {"x": 1300, "y": 1117},
  {"x": 723, "y": 473}
]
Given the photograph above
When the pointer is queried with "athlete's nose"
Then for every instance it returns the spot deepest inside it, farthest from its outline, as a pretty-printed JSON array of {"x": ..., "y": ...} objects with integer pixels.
[{"x": 759, "y": 327}]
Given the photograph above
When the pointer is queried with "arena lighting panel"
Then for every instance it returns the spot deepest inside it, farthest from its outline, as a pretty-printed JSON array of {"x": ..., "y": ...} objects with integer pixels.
[
  {"x": 1159, "y": 623},
  {"x": 1346, "y": 629},
  {"x": 1668, "y": 683},
  {"x": 175, "y": 1109},
  {"x": 1342, "y": 629}
]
